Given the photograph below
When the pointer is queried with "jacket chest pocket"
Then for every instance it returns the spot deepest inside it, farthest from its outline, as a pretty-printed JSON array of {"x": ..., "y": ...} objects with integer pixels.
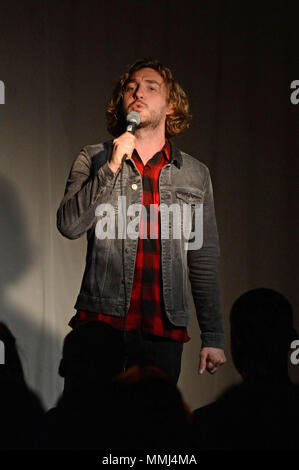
[{"x": 190, "y": 197}]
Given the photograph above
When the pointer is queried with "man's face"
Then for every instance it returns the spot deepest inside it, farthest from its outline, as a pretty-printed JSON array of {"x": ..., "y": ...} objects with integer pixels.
[{"x": 146, "y": 93}]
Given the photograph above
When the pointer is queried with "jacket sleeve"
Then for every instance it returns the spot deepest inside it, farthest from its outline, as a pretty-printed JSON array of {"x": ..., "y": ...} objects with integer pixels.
[
  {"x": 203, "y": 266},
  {"x": 76, "y": 212}
]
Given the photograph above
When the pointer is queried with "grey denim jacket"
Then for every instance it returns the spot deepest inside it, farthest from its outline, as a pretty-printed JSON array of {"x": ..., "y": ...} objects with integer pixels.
[{"x": 183, "y": 181}]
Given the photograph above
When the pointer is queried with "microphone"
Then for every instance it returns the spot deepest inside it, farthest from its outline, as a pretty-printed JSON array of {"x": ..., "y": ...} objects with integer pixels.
[{"x": 133, "y": 120}]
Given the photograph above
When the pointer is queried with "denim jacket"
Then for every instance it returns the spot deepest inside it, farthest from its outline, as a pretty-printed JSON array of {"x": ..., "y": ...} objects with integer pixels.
[{"x": 184, "y": 181}]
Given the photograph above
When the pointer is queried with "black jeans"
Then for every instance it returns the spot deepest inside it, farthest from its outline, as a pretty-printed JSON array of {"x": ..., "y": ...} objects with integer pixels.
[{"x": 145, "y": 349}]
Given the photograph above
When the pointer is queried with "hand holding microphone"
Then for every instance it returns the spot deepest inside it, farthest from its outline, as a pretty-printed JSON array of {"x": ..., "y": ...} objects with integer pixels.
[{"x": 124, "y": 145}]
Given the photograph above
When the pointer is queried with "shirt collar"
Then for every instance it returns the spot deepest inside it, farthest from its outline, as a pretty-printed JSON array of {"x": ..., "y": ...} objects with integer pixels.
[
  {"x": 164, "y": 152},
  {"x": 170, "y": 152},
  {"x": 167, "y": 150}
]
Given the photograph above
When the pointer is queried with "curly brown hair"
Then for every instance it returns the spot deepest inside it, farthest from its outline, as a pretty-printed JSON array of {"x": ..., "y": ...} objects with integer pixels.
[{"x": 175, "y": 123}]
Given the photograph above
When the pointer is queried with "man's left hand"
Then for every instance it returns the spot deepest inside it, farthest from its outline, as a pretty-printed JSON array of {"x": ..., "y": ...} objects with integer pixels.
[{"x": 210, "y": 360}]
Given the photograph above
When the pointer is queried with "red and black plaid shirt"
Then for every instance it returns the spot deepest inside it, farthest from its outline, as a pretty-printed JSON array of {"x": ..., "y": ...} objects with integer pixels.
[{"x": 146, "y": 311}]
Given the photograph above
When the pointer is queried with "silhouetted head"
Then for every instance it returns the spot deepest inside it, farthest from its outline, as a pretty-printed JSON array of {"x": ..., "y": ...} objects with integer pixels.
[
  {"x": 12, "y": 368},
  {"x": 21, "y": 412},
  {"x": 150, "y": 409},
  {"x": 92, "y": 352},
  {"x": 261, "y": 333}
]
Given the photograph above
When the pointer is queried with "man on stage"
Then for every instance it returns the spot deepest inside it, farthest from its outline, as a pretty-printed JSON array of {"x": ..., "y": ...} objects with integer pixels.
[{"x": 139, "y": 284}]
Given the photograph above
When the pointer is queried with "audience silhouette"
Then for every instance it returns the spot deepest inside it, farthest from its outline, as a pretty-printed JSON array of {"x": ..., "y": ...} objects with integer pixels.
[
  {"x": 150, "y": 412},
  {"x": 21, "y": 411},
  {"x": 102, "y": 407},
  {"x": 261, "y": 413},
  {"x": 92, "y": 356}
]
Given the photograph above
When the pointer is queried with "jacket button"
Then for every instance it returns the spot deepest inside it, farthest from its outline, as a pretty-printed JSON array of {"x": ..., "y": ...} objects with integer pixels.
[{"x": 134, "y": 186}]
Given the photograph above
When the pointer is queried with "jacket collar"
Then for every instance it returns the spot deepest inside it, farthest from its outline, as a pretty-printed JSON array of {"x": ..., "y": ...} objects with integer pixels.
[
  {"x": 176, "y": 156},
  {"x": 103, "y": 156}
]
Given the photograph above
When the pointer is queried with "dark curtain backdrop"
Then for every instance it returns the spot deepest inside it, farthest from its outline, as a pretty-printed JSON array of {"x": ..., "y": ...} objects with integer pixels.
[{"x": 59, "y": 61}]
